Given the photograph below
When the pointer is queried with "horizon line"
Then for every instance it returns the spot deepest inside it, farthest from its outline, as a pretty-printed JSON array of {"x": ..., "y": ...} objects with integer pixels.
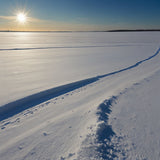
[{"x": 114, "y": 30}]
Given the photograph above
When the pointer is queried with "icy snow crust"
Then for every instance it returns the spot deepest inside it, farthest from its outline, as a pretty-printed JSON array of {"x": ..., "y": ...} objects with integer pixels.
[{"x": 61, "y": 95}]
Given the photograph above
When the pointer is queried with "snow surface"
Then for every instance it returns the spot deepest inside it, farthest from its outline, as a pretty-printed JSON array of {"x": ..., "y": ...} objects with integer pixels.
[
  {"x": 80, "y": 96},
  {"x": 135, "y": 120},
  {"x": 27, "y": 68}
]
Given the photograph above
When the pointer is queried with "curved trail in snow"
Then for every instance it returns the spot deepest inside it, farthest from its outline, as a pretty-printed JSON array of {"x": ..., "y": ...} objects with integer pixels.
[
  {"x": 39, "y": 48},
  {"x": 63, "y": 47},
  {"x": 18, "y": 106}
]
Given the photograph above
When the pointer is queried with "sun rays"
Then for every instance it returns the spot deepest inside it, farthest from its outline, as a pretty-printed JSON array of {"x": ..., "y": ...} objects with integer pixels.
[{"x": 21, "y": 18}]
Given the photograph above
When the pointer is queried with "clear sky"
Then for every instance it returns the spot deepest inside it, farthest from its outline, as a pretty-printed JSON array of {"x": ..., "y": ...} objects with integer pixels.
[{"x": 80, "y": 14}]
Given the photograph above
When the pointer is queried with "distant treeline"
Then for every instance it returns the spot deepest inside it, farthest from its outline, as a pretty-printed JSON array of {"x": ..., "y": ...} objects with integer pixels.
[
  {"x": 133, "y": 30},
  {"x": 118, "y": 30}
]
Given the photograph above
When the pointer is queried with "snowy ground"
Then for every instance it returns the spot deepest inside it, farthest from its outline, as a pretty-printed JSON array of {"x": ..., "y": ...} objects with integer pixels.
[
  {"x": 67, "y": 96},
  {"x": 136, "y": 122}
]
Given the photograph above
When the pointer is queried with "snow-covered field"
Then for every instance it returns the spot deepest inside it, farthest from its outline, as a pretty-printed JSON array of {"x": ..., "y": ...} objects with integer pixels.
[{"x": 79, "y": 96}]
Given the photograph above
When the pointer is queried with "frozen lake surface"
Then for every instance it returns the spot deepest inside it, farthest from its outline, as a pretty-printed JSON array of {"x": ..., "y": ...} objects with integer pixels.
[
  {"x": 33, "y": 62},
  {"x": 79, "y": 95}
]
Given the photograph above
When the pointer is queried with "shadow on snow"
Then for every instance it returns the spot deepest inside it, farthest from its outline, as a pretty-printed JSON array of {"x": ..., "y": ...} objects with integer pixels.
[{"x": 18, "y": 106}]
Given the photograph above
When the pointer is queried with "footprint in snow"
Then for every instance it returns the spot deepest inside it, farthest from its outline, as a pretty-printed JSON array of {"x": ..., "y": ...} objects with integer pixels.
[
  {"x": 20, "y": 147},
  {"x": 45, "y": 134},
  {"x": 3, "y": 127},
  {"x": 70, "y": 155},
  {"x": 48, "y": 103}
]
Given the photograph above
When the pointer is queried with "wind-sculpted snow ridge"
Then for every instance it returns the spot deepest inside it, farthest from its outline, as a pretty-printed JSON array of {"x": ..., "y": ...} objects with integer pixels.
[
  {"x": 132, "y": 66},
  {"x": 17, "y": 106}
]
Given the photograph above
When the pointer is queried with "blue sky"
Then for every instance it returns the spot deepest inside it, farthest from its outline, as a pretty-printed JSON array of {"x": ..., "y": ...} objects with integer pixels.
[{"x": 83, "y": 14}]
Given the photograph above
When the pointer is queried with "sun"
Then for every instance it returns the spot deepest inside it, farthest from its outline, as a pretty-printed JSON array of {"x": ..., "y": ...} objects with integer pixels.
[{"x": 21, "y": 18}]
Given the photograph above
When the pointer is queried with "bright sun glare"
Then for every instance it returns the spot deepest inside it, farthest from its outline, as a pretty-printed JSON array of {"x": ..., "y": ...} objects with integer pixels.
[{"x": 21, "y": 17}]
